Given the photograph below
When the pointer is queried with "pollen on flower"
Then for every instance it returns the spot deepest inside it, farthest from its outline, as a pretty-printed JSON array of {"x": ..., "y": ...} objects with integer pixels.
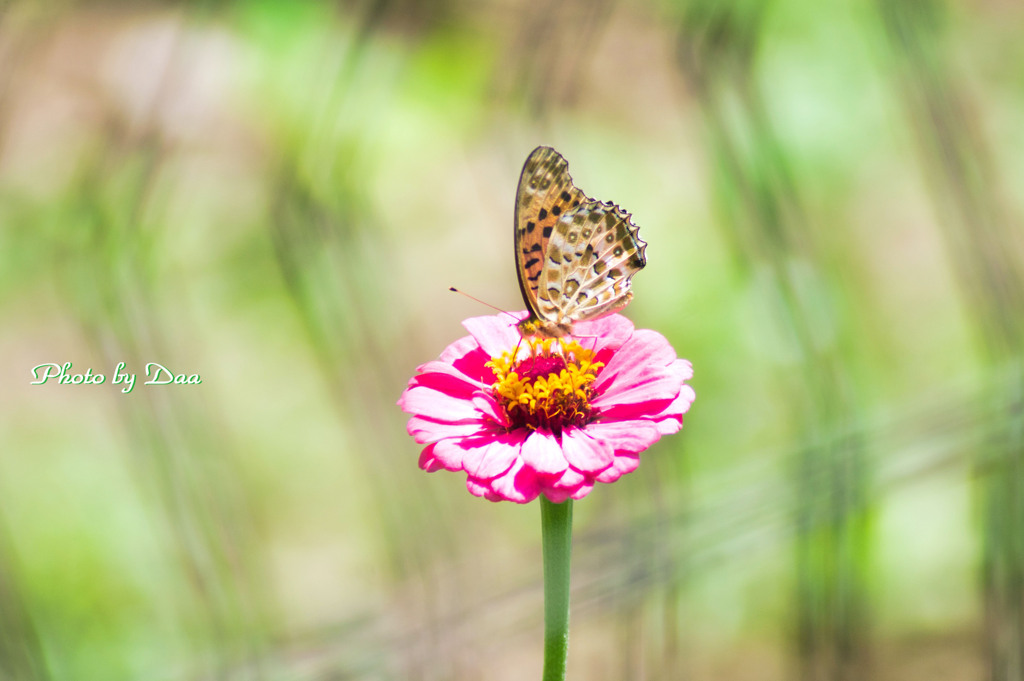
[{"x": 550, "y": 388}]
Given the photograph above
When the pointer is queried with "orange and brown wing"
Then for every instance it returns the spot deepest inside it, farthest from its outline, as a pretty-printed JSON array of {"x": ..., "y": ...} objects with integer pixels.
[
  {"x": 597, "y": 249},
  {"x": 545, "y": 193}
]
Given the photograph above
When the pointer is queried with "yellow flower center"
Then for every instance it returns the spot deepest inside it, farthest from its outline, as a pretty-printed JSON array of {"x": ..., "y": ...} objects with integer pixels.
[{"x": 550, "y": 388}]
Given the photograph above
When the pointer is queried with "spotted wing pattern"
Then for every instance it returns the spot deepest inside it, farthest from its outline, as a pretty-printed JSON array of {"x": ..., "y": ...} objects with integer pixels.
[{"x": 574, "y": 255}]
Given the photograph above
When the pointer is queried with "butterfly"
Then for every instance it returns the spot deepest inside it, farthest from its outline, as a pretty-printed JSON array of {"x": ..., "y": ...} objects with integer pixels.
[{"x": 574, "y": 255}]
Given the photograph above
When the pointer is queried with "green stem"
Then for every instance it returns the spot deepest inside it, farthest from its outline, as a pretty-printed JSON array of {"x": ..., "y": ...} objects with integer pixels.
[{"x": 556, "y": 528}]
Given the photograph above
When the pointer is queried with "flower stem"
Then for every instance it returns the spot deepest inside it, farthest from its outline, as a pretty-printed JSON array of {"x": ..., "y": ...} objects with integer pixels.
[{"x": 556, "y": 528}]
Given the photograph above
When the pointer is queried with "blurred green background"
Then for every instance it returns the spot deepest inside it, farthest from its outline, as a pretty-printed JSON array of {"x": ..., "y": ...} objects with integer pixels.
[{"x": 277, "y": 196}]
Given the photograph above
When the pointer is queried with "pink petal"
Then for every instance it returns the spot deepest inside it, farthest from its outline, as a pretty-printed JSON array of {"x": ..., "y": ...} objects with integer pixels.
[
  {"x": 449, "y": 453},
  {"x": 657, "y": 387},
  {"x": 490, "y": 408},
  {"x": 687, "y": 396},
  {"x": 670, "y": 420},
  {"x": 447, "y": 378},
  {"x": 493, "y": 456},
  {"x": 645, "y": 351},
  {"x": 610, "y": 332},
  {"x": 478, "y": 488},
  {"x": 542, "y": 453},
  {"x": 425, "y": 431},
  {"x": 638, "y": 412},
  {"x": 558, "y": 488},
  {"x": 495, "y": 333},
  {"x": 474, "y": 365},
  {"x": 519, "y": 484},
  {"x": 583, "y": 490},
  {"x": 655, "y": 398},
  {"x": 684, "y": 369},
  {"x": 570, "y": 479},
  {"x": 668, "y": 425},
  {"x": 434, "y": 404},
  {"x": 428, "y": 462},
  {"x": 626, "y": 463},
  {"x": 463, "y": 360},
  {"x": 584, "y": 452},
  {"x": 457, "y": 350},
  {"x": 625, "y": 437}
]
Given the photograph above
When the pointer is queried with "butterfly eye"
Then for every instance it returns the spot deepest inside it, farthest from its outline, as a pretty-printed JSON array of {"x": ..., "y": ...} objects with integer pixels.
[
  {"x": 571, "y": 237},
  {"x": 618, "y": 251},
  {"x": 587, "y": 232}
]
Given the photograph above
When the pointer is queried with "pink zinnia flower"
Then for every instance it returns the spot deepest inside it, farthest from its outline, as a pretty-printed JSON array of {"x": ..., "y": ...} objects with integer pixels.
[{"x": 552, "y": 416}]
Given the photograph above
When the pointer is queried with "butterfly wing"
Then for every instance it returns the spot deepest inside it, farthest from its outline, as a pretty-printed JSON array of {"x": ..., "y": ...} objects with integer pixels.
[
  {"x": 545, "y": 194},
  {"x": 593, "y": 252},
  {"x": 574, "y": 256}
]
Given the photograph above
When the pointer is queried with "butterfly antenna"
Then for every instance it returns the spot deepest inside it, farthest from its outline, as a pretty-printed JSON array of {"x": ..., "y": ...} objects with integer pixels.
[{"x": 493, "y": 307}]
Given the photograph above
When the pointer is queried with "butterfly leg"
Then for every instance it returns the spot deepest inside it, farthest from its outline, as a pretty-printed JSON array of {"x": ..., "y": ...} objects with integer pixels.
[{"x": 515, "y": 353}]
